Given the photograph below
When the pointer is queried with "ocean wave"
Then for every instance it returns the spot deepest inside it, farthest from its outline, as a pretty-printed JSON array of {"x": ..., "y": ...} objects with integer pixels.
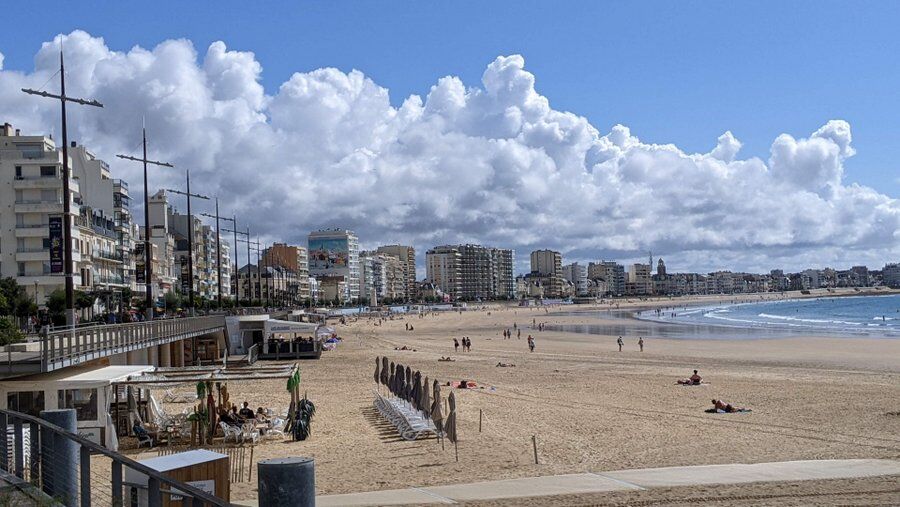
[{"x": 811, "y": 321}]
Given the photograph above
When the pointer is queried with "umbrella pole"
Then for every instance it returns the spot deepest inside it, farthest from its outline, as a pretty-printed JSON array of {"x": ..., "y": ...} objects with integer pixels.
[{"x": 456, "y": 447}]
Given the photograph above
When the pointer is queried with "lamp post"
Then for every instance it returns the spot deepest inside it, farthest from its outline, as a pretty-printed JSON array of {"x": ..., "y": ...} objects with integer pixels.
[
  {"x": 190, "y": 235},
  {"x": 67, "y": 212},
  {"x": 148, "y": 252}
]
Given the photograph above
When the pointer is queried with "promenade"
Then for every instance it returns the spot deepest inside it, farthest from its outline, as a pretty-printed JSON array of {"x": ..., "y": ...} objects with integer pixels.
[{"x": 621, "y": 480}]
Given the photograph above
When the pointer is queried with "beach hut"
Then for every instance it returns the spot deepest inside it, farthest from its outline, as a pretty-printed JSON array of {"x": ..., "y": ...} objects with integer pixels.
[
  {"x": 87, "y": 389},
  {"x": 205, "y": 470}
]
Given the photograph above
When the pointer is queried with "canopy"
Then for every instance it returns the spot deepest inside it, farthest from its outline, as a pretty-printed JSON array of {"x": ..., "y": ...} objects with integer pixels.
[{"x": 289, "y": 327}]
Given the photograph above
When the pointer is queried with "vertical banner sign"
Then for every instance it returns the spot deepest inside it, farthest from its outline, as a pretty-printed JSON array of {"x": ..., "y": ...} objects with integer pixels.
[
  {"x": 140, "y": 270},
  {"x": 185, "y": 276},
  {"x": 56, "y": 243}
]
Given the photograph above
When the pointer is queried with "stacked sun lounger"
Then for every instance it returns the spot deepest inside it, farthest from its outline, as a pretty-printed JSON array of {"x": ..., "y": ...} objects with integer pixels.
[{"x": 409, "y": 421}]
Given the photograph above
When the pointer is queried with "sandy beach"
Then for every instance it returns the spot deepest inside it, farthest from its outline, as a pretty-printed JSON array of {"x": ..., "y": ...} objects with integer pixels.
[{"x": 591, "y": 407}]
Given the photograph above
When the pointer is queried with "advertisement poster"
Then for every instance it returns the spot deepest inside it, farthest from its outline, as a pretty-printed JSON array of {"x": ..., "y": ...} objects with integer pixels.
[
  {"x": 328, "y": 254},
  {"x": 56, "y": 244}
]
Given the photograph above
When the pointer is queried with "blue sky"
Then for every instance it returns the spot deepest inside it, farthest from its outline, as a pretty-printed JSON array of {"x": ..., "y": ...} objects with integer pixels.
[
  {"x": 491, "y": 163},
  {"x": 679, "y": 72}
]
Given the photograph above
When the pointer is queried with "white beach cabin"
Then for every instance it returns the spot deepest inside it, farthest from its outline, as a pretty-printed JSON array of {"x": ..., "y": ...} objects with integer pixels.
[{"x": 87, "y": 389}]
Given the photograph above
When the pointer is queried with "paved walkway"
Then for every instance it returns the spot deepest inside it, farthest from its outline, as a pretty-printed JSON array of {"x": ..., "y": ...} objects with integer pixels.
[{"x": 621, "y": 480}]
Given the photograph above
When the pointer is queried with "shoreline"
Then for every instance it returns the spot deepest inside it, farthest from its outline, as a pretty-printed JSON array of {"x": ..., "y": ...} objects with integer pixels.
[{"x": 618, "y": 321}]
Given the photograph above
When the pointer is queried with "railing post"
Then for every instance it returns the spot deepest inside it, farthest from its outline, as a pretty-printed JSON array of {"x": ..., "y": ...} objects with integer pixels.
[
  {"x": 154, "y": 498},
  {"x": 18, "y": 447},
  {"x": 4, "y": 447},
  {"x": 117, "y": 484},
  {"x": 35, "y": 452},
  {"x": 85, "y": 477}
]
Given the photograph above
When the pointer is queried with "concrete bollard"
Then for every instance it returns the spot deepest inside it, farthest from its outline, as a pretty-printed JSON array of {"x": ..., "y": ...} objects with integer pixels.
[
  {"x": 287, "y": 481},
  {"x": 60, "y": 457}
]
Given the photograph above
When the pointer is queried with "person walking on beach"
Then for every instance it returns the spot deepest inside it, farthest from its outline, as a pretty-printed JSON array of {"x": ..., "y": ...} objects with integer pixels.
[
  {"x": 456, "y": 345},
  {"x": 641, "y": 343},
  {"x": 519, "y": 336},
  {"x": 620, "y": 342},
  {"x": 530, "y": 343}
]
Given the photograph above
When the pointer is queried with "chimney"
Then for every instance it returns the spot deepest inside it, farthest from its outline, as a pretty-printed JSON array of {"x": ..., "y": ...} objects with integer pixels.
[
  {"x": 74, "y": 144},
  {"x": 18, "y": 132},
  {"x": 6, "y": 130}
]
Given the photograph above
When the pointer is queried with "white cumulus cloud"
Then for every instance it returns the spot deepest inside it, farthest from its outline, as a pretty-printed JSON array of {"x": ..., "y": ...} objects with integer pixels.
[{"x": 488, "y": 162}]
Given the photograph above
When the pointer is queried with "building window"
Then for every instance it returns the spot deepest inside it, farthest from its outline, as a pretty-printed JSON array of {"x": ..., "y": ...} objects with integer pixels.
[
  {"x": 84, "y": 401},
  {"x": 27, "y": 402},
  {"x": 48, "y": 171},
  {"x": 18, "y": 172}
]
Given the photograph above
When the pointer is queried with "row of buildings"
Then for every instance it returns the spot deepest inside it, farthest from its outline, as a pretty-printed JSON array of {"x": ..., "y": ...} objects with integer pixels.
[
  {"x": 108, "y": 252},
  {"x": 107, "y": 243}
]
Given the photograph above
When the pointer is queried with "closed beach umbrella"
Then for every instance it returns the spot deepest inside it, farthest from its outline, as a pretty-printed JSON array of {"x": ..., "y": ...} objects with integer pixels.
[
  {"x": 451, "y": 418},
  {"x": 426, "y": 399},
  {"x": 407, "y": 388},
  {"x": 436, "y": 415},
  {"x": 377, "y": 369},
  {"x": 392, "y": 377},
  {"x": 401, "y": 382},
  {"x": 417, "y": 390},
  {"x": 385, "y": 377}
]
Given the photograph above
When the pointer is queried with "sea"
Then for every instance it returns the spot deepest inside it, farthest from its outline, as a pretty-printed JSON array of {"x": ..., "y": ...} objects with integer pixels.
[{"x": 865, "y": 316}]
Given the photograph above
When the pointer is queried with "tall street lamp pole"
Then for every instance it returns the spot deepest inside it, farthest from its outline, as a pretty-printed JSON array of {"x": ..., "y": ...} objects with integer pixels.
[
  {"x": 218, "y": 253},
  {"x": 190, "y": 218},
  {"x": 148, "y": 253},
  {"x": 67, "y": 212}
]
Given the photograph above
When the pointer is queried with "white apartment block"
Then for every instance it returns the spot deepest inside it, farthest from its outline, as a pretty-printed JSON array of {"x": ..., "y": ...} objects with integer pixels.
[{"x": 31, "y": 187}]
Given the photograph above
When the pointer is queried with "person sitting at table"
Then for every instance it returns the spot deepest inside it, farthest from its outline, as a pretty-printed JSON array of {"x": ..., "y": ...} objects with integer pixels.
[
  {"x": 261, "y": 415},
  {"x": 226, "y": 417},
  {"x": 246, "y": 412}
]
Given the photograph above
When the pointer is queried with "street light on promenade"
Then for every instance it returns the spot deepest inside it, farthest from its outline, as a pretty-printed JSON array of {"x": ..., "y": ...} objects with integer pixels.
[
  {"x": 148, "y": 253},
  {"x": 188, "y": 194},
  {"x": 67, "y": 212}
]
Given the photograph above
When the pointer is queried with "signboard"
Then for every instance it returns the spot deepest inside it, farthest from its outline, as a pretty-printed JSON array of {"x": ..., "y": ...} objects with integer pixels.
[
  {"x": 56, "y": 243},
  {"x": 206, "y": 486},
  {"x": 140, "y": 273},
  {"x": 328, "y": 254},
  {"x": 95, "y": 435},
  {"x": 185, "y": 276}
]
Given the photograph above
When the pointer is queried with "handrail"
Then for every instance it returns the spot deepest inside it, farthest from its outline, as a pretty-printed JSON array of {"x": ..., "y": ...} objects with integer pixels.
[
  {"x": 187, "y": 489},
  {"x": 76, "y": 344}
]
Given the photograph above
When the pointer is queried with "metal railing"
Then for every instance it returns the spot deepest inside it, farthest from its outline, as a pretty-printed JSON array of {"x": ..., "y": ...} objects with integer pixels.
[
  {"x": 26, "y": 460},
  {"x": 253, "y": 353},
  {"x": 68, "y": 346}
]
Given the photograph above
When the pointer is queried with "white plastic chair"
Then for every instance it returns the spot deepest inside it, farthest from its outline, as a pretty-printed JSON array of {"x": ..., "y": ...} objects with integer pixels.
[
  {"x": 231, "y": 431},
  {"x": 248, "y": 430}
]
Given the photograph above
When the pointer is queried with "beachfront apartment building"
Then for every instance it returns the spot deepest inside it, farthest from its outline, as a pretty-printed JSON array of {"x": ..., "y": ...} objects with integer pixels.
[
  {"x": 577, "y": 275},
  {"x": 472, "y": 272},
  {"x": 31, "y": 172},
  {"x": 638, "y": 282},
  {"x": 407, "y": 257},
  {"x": 610, "y": 272},
  {"x": 334, "y": 258},
  {"x": 442, "y": 269},
  {"x": 890, "y": 275},
  {"x": 293, "y": 259}
]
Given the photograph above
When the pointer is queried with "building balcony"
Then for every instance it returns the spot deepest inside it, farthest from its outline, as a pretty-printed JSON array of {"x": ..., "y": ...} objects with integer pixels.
[
  {"x": 29, "y": 279},
  {"x": 108, "y": 256},
  {"x": 25, "y": 206},
  {"x": 32, "y": 231},
  {"x": 25, "y": 255},
  {"x": 38, "y": 182}
]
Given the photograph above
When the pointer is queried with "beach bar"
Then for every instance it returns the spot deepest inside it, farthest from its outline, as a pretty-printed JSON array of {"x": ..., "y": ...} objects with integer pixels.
[{"x": 88, "y": 390}]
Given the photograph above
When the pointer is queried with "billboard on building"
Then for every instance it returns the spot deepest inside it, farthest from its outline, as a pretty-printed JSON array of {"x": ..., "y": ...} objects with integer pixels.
[
  {"x": 55, "y": 226},
  {"x": 328, "y": 255}
]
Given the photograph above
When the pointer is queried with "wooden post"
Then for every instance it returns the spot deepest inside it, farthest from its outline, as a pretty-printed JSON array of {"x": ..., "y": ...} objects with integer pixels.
[
  {"x": 534, "y": 445},
  {"x": 480, "y": 413},
  {"x": 456, "y": 448}
]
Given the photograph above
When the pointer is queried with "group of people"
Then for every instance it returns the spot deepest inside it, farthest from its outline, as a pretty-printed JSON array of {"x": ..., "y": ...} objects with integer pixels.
[
  {"x": 621, "y": 343},
  {"x": 466, "y": 344},
  {"x": 235, "y": 417},
  {"x": 507, "y": 334}
]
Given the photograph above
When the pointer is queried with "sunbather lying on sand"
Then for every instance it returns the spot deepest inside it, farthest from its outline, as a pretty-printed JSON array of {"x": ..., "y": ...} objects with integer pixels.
[
  {"x": 446, "y": 359},
  {"x": 720, "y": 406},
  {"x": 505, "y": 365}
]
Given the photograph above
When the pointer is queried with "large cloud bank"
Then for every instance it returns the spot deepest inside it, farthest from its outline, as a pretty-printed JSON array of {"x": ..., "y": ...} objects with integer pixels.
[{"x": 492, "y": 163}]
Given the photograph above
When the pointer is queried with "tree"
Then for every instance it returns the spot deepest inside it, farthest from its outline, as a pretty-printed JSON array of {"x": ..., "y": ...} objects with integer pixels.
[
  {"x": 9, "y": 333},
  {"x": 56, "y": 306},
  {"x": 14, "y": 300}
]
